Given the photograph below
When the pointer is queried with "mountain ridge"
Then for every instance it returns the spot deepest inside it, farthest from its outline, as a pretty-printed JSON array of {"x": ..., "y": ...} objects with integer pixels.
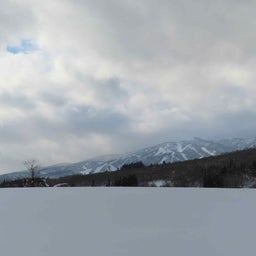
[{"x": 166, "y": 152}]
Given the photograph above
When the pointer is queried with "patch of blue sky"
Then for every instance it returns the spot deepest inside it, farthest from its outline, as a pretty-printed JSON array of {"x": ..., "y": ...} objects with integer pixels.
[{"x": 25, "y": 47}]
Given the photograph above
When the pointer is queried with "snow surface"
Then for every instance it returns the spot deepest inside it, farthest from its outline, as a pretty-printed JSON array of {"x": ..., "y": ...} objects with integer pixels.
[
  {"x": 179, "y": 148},
  {"x": 207, "y": 151},
  {"x": 160, "y": 183},
  {"x": 127, "y": 221},
  {"x": 160, "y": 151},
  {"x": 184, "y": 156}
]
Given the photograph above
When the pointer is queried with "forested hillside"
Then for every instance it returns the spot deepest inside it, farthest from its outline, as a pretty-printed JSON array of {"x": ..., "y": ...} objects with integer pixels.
[{"x": 232, "y": 170}]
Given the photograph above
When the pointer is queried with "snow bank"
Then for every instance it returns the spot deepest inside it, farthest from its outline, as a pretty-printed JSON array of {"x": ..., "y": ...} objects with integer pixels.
[{"x": 127, "y": 221}]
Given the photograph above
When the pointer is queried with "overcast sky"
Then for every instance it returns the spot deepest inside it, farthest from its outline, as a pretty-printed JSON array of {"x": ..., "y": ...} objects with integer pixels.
[{"x": 81, "y": 78}]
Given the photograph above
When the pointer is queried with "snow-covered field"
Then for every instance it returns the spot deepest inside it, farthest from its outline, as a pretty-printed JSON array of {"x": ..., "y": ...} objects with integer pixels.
[{"x": 127, "y": 221}]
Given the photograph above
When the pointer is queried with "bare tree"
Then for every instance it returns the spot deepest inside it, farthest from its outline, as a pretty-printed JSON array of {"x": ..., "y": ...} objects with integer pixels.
[{"x": 33, "y": 168}]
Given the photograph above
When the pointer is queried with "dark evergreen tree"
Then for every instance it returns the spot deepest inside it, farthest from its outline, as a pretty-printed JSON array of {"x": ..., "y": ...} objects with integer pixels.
[{"x": 213, "y": 180}]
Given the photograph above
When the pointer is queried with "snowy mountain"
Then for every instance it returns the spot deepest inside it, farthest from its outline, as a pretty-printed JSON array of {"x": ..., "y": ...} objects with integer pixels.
[{"x": 166, "y": 152}]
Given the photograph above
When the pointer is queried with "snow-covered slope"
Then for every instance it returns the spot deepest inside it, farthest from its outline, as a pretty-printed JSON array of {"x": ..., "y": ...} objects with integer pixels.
[
  {"x": 165, "y": 152},
  {"x": 127, "y": 221}
]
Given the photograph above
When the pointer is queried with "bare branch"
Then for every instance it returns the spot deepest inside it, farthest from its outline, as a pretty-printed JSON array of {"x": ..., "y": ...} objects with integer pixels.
[{"x": 32, "y": 167}]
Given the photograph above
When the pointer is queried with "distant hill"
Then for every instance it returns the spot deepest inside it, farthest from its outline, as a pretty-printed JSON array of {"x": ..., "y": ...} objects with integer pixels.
[
  {"x": 168, "y": 152},
  {"x": 229, "y": 170}
]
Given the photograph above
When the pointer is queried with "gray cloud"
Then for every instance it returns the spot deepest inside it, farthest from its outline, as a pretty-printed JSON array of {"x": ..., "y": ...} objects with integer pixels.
[
  {"x": 85, "y": 119},
  {"x": 111, "y": 89},
  {"x": 17, "y": 100},
  {"x": 54, "y": 99}
]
